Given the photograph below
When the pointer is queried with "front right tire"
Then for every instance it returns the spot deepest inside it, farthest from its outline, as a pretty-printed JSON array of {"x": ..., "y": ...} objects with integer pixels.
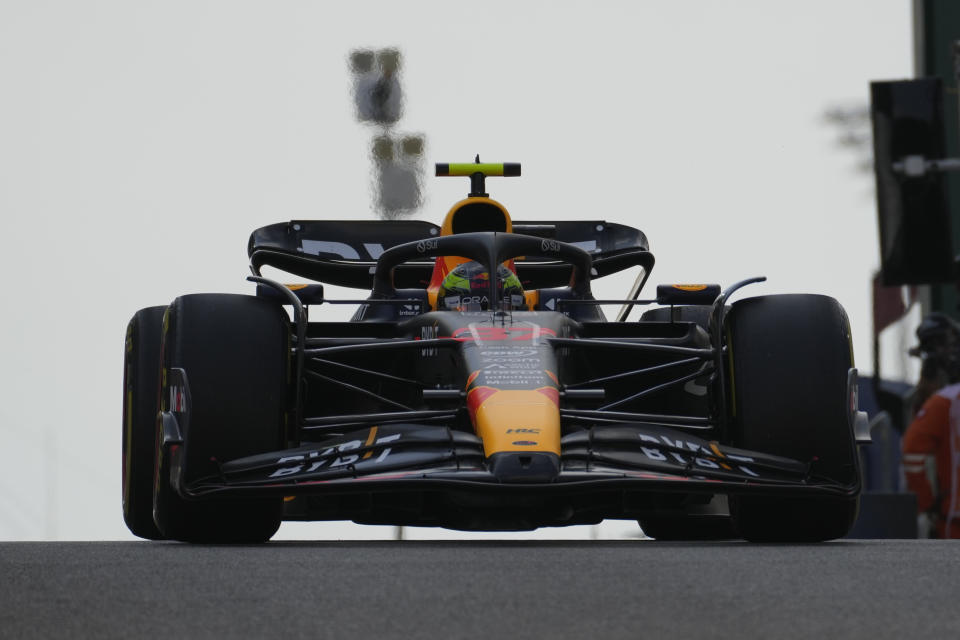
[
  {"x": 141, "y": 388},
  {"x": 235, "y": 352},
  {"x": 789, "y": 356}
]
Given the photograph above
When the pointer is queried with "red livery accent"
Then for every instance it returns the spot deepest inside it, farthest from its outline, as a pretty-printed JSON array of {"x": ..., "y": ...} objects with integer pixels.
[
  {"x": 488, "y": 333},
  {"x": 551, "y": 393},
  {"x": 476, "y": 396}
]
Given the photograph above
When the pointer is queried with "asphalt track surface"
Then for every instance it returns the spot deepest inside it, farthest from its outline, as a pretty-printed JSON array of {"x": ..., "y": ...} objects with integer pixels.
[{"x": 489, "y": 589}]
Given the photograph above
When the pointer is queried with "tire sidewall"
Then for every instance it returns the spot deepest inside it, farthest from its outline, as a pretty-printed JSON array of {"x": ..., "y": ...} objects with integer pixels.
[
  {"x": 141, "y": 377},
  {"x": 789, "y": 358},
  {"x": 235, "y": 352}
]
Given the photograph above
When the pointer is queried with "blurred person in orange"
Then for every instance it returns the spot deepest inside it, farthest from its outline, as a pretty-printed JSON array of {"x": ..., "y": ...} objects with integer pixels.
[{"x": 931, "y": 444}]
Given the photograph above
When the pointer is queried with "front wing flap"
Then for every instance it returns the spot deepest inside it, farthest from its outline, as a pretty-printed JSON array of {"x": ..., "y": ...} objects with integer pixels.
[{"x": 398, "y": 456}]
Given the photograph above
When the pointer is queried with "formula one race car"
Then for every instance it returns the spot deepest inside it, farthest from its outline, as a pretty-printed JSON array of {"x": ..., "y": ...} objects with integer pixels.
[{"x": 480, "y": 386}]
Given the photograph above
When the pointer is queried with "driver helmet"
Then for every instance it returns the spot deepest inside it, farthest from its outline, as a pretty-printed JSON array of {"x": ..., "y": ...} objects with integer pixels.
[{"x": 466, "y": 288}]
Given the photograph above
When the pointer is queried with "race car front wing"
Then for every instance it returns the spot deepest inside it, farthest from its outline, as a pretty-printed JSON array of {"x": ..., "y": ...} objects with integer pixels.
[
  {"x": 432, "y": 475},
  {"x": 419, "y": 456}
]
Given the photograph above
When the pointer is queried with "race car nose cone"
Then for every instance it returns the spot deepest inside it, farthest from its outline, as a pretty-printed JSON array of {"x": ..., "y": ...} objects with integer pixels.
[{"x": 517, "y": 466}]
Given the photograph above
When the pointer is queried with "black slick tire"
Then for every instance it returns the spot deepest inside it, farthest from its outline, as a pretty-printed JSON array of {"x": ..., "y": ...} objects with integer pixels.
[
  {"x": 789, "y": 356},
  {"x": 235, "y": 352},
  {"x": 141, "y": 388}
]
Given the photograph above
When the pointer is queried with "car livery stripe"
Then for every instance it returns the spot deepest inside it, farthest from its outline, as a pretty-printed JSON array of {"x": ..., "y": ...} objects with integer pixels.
[
  {"x": 473, "y": 376},
  {"x": 552, "y": 393},
  {"x": 476, "y": 397},
  {"x": 369, "y": 441}
]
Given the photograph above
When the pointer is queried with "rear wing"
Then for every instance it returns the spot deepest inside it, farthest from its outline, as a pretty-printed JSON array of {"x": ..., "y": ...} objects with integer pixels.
[{"x": 345, "y": 252}]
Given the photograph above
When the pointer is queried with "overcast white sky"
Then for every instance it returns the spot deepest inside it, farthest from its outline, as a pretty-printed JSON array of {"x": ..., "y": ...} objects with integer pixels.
[{"x": 141, "y": 142}]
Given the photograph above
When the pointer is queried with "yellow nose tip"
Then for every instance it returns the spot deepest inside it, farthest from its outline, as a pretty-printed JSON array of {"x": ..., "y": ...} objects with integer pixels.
[{"x": 519, "y": 420}]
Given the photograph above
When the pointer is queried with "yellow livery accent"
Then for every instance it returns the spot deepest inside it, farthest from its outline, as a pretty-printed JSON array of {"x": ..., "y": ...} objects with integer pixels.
[
  {"x": 370, "y": 438},
  {"x": 518, "y": 420},
  {"x": 487, "y": 169},
  {"x": 128, "y": 453},
  {"x": 716, "y": 450},
  {"x": 532, "y": 300},
  {"x": 470, "y": 168}
]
